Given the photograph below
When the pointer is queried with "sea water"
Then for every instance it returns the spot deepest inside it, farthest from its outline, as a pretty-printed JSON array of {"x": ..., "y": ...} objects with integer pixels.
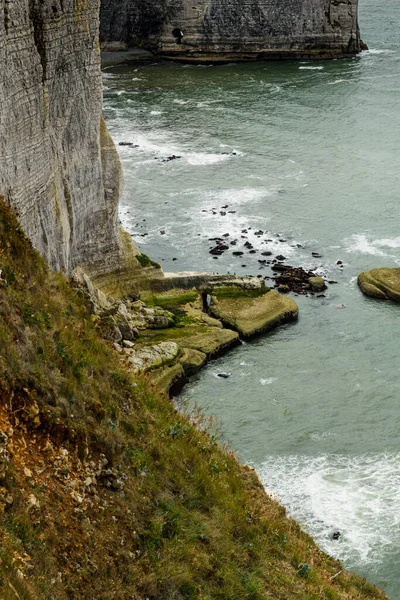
[{"x": 308, "y": 153}]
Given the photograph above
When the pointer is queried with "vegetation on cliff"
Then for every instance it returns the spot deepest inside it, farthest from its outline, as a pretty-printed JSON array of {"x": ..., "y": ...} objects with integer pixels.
[{"x": 106, "y": 491}]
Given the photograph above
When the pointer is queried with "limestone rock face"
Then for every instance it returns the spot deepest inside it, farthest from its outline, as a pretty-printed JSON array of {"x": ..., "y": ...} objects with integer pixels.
[
  {"x": 222, "y": 30},
  {"x": 58, "y": 164}
]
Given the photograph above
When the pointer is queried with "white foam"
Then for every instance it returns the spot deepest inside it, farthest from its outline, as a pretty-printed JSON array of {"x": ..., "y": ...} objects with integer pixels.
[
  {"x": 388, "y": 242},
  {"x": 337, "y": 81},
  {"x": 360, "y": 243},
  {"x": 358, "y": 496},
  {"x": 198, "y": 159},
  {"x": 311, "y": 68},
  {"x": 378, "y": 51},
  {"x": 155, "y": 113},
  {"x": 268, "y": 381}
]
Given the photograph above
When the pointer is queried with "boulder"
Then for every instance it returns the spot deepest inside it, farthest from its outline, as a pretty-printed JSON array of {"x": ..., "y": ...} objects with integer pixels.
[
  {"x": 381, "y": 283},
  {"x": 317, "y": 284}
]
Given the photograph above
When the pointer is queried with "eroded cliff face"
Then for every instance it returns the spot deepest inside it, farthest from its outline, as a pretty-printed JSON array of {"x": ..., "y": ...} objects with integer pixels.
[
  {"x": 221, "y": 30},
  {"x": 58, "y": 165}
]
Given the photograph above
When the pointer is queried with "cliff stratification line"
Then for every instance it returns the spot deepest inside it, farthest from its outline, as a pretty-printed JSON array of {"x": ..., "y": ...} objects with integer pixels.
[
  {"x": 58, "y": 165},
  {"x": 223, "y": 30}
]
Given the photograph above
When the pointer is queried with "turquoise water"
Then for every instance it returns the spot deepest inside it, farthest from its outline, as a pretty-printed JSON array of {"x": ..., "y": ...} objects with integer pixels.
[{"x": 308, "y": 153}]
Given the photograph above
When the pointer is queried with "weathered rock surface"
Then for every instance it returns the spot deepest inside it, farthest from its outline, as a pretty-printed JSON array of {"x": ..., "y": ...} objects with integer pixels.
[
  {"x": 223, "y": 30},
  {"x": 381, "y": 283},
  {"x": 250, "y": 316},
  {"x": 59, "y": 167}
]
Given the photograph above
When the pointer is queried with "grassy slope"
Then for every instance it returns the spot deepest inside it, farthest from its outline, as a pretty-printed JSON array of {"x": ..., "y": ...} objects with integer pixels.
[{"x": 191, "y": 522}]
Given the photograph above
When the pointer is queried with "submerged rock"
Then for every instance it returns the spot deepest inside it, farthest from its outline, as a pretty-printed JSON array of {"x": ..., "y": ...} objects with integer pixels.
[{"x": 381, "y": 283}]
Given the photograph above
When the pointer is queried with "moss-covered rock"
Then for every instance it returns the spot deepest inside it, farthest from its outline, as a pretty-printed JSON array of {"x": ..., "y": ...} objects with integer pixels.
[
  {"x": 317, "y": 284},
  {"x": 251, "y": 314},
  {"x": 381, "y": 283},
  {"x": 192, "y": 361}
]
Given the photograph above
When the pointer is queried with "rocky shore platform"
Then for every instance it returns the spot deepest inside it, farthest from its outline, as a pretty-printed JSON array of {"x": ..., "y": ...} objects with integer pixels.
[{"x": 177, "y": 322}]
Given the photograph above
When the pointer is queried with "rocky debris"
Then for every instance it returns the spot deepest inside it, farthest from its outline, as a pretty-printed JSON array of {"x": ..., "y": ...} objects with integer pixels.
[
  {"x": 297, "y": 279},
  {"x": 122, "y": 320},
  {"x": 111, "y": 479},
  {"x": 152, "y": 357},
  {"x": 219, "y": 249},
  {"x": 4, "y": 455}
]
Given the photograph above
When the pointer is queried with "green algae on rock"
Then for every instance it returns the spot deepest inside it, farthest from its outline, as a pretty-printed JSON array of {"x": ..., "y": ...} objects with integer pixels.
[
  {"x": 381, "y": 283},
  {"x": 249, "y": 313}
]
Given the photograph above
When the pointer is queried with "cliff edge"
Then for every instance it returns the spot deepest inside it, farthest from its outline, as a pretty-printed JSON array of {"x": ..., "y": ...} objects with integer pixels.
[
  {"x": 58, "y": 165},
  {"x": 224, "y": 30}
]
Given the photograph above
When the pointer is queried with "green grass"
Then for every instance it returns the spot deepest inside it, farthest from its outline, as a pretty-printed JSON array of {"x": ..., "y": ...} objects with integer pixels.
[
  {"x": 146, "y": 261},
  {"x": 190, "y": 523},
  {"x": 235, "y": 292}
]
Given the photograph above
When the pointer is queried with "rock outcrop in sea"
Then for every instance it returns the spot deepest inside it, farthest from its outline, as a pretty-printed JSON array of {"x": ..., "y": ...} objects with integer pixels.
[
  {"x": 383, "y": 283},
  {"x": 225, "y": 30}
]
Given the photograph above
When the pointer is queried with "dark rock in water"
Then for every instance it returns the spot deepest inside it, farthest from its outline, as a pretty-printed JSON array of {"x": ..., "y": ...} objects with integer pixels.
[
  {"x": 238, "y": 253},
  {"x": 252, "y": 251},
  {"x": 233, "y": 242},
  {"x": 283, "y": 289},
  {"x": 281, "y": 268},
  {"x": 226, "y": 235},
  {"x": 266, "y": 253},
  {"x": 218, "y": 250},
  {"x": 316, "y": 255},
  {"x": 330, "y": 282},
  {"x": 223, "y": 375},
  {"x": 131, "y": 144},
  {"x": 339, "y": 262},
  {"x": 248, "y": 245},
  {"x": 215, "y": 257},
  {"x": 162, "y": 232},
  {"x": 244, "y": 230},
  {"x": 174, "y": 259},
  {"x": 280, "y": 257},
  {"x": 317, "y": 284},
  {"x": 222, "y": 213},
  {"x": 172, "y": 157},
  {"x": 282, "y": 240},
  {"x": 336, "y": 535},
  {"x": 231, "y": 212},
  {"x": 262, "y": 261},
  {"x": 298, "y": 280},
  {"x": 259, "y": 232}
]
